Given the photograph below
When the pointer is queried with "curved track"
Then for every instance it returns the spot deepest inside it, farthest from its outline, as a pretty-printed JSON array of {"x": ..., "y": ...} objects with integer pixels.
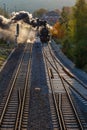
[{"x": 61, "y": 85}]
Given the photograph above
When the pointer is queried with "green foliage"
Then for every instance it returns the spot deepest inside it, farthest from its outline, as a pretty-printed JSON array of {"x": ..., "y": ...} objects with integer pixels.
[
  {"x": 68, "y": 49},
  {"x": 75, "y": 41},
  {"x": 4, "y": 13},
  {"x": 68, "y": 24},
  {"x": 1, "y": 11},
  {"x": 81, "y": 53},
  {"x": 4, "y": 51},
  {"x": 39, "y": 13},
  {"x": 80, "y": 15},
  {"x": 80, "y": 33}
]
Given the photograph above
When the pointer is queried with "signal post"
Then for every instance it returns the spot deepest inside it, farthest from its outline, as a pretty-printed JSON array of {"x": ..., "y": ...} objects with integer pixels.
[{"x": 16, "y": 34}]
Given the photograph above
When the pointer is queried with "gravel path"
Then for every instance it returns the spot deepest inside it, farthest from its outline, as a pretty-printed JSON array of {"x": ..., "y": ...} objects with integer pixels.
[{"x": 39, "y": 111}]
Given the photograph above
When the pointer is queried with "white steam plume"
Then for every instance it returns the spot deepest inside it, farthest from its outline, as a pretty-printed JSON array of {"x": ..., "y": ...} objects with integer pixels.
[{"x": 8, "y": 27}]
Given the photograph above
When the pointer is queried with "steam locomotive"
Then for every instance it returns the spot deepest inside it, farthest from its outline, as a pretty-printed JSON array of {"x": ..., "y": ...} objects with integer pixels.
[
  {"x": 44, "y": 38},
  {"x": 44, "y": 35}
]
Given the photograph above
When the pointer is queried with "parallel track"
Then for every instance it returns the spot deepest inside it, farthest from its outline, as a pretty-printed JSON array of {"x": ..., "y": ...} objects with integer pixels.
[
  {"x": 14, "y": 110},
  {"x": 65, "y": 112}
]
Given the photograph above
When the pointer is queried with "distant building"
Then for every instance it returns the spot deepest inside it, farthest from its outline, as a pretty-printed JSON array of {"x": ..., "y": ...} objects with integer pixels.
[{"x": 51, "y": 17}]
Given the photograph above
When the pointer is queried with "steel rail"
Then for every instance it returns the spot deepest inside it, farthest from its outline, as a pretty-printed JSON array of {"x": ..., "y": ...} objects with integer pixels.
[
  {"x": 67, "y": 71},
  {"x": 73, "y": 106},
  {"x": 56, "y": 69},
  {"x": 19, "y": 109},
  {"x": 25, "y": 91},
  {"x": 76, "y": 114},
  {"x": 61, "y": 114},
  {"x": 11, "y": 89},
  {"x": 80, "y": 94},
  {"x": 69, "y": 96},
  {"x": 54, "y": 98}
]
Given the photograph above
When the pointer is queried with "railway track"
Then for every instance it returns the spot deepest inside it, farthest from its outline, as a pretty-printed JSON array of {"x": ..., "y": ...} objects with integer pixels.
[
  {"x": 8, "y": 70},
  {"x": 15, "y": 105},
  {"x": 62, "y": 84}
]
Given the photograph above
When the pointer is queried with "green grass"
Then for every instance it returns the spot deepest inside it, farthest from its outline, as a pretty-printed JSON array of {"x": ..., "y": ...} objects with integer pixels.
[
  {"x": 3, "y": 55},
  {"x": 5, "y": 50}
]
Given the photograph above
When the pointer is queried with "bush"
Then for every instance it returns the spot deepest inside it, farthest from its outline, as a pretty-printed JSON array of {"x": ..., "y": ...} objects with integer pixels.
[{"x": 81, "y": 53}]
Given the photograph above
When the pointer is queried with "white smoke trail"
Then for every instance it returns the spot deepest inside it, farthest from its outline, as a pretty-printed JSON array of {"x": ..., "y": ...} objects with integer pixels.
[
  {"x": 8, "y": 28},
  {"x": 9, "y": 34}
]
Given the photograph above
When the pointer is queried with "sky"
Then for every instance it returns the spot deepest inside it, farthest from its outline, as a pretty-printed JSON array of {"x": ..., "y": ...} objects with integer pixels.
[{"x": 32, "y": 5}]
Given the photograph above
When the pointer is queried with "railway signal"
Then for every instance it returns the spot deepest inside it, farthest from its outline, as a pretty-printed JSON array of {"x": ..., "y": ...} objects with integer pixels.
[
  {"x": 16, "y": 33},
  {"x": 17, "y": 29}
]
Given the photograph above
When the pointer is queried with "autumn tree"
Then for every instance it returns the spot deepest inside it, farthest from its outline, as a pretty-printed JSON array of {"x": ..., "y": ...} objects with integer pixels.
[
  {"x": 57, "y": 31},
  {"x": 74, "y": 24}
]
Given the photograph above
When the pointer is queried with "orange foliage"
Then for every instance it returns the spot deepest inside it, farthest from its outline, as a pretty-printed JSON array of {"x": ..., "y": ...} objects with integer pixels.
[{"x": 57, "y": 31}]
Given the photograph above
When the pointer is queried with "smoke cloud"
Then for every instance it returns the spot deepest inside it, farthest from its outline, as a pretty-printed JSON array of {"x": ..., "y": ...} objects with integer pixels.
[
  {"x": 4, "y": 22},
  {"x": 8, "y": 27},
  {"x": 21, "y": 15}
]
